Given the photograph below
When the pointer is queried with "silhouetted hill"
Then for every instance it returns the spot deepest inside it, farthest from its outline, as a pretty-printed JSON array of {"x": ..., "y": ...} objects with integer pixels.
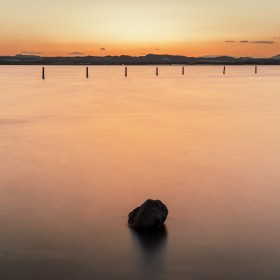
[{"x": 149, "y": 59}]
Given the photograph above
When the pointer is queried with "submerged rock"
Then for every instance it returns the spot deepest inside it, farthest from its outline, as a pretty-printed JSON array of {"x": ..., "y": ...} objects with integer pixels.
[{"x": 151, "y": 214}]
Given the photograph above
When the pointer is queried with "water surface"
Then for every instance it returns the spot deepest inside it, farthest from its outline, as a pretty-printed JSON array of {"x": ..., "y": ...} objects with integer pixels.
[{"x": 77, "y": 155}]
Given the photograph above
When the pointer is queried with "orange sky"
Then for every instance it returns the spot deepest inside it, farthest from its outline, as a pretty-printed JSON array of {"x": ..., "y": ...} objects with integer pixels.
[{"x": 111, "y": 27}]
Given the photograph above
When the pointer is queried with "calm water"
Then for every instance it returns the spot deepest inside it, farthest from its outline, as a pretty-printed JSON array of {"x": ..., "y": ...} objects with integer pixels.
[{"x": 77, "y": 155}]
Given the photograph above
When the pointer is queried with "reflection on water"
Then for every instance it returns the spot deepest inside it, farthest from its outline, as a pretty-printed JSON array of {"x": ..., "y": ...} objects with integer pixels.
[
  {"x": 11, "y": 121},
  {"x": 150, "y": 241},
  {"x": 77, "y": 154},
  {"x": 151, "y": 246}
]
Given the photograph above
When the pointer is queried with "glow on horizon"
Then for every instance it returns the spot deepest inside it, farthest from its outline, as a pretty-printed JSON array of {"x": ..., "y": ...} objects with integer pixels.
[{"x": 110, "y": 27}]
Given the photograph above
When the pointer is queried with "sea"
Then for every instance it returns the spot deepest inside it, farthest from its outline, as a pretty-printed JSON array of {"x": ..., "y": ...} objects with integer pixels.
[{"x": 78, "y": 154}]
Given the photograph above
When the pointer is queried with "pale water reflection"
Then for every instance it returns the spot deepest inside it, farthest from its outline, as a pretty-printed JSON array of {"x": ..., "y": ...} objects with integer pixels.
[{"x": 77, "y": 154}]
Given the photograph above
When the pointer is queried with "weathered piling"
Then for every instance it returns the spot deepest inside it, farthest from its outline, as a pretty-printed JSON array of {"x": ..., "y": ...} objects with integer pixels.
[
  {"x": 87, "y": 72},
  {"x": 125, "y": 71},
  {"x": 224, "y": 71},
  {"x": 43, "y": 73},
  {"x": 157, "y": 71},
  {"x": 183, "y": 70},
  {"x": 256, "y": 69}
]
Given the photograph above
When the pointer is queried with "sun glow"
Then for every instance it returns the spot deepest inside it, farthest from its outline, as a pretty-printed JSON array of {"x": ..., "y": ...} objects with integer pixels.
[{"x": 135, "y": 28}]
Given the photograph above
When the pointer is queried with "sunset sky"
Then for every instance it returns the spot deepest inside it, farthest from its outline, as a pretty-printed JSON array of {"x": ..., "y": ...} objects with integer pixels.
[{"x": 115, "y": 27}]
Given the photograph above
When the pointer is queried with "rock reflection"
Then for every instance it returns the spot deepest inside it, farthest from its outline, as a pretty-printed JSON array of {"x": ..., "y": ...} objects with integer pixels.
[{"x": 151, "y": 247}]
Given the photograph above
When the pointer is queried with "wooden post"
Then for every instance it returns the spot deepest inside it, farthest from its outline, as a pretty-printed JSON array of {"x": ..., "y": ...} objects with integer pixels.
[
  {"x": 43, "y": 73},
  {"x": 256, "y": 69},
  {"x": 157, "y": 71},
  {"x": 183, "y": 70},
  {"x": 87, "y": 72},
  {"x": 224, "y": 72},
  {"x": 125, "y": 71}
]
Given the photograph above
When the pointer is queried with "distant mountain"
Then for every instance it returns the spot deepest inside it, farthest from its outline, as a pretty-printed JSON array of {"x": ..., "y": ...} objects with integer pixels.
[
  {"x": 225, "y": 57},
  {"x": 149, "y": 59}
]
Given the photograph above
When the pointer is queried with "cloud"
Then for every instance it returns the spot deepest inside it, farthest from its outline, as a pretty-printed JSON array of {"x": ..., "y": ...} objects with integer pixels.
[
  {"x": 76, "y": 53},
  {"x": 157, "y": 49},
  {"x": 262, "y": 42},
  {"x": 30, "y": 53},
  {"x": 257, "y": 42},
  {"x": 229, "y": 41},
  {"x": 102, "y": 49}
]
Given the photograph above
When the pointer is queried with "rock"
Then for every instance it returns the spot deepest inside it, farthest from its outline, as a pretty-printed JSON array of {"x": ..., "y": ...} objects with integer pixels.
[{"x": 151, "y": 214}]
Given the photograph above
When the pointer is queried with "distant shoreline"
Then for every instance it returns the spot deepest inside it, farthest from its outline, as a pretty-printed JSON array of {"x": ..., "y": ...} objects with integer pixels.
[{"x": 150, "y": 59}]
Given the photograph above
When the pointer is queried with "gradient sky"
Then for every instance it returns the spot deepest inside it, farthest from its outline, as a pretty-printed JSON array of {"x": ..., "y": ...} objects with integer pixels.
[{"x": 114, "y": 27}]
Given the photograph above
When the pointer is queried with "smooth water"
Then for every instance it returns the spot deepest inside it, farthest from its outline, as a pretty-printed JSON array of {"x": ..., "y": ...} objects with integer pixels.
[{"x": 77, "y": 155}]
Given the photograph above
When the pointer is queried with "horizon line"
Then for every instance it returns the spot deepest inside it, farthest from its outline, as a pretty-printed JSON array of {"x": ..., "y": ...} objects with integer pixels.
[{"x": 37, "y": 54}]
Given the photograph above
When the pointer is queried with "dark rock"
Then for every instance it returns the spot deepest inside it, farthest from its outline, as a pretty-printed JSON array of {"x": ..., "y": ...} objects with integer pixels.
[{"x": 151, "y": 214}]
